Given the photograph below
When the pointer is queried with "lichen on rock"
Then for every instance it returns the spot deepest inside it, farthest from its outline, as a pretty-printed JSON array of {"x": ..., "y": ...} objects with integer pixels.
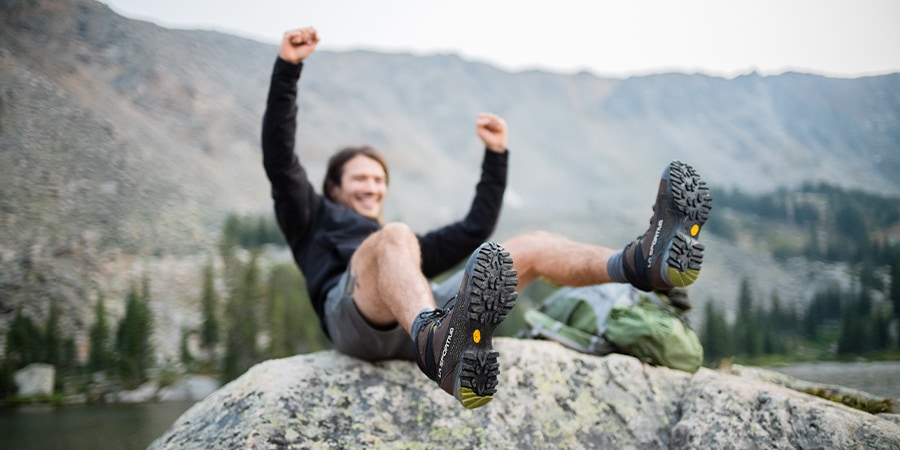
[{"x": 549, "y": 397}]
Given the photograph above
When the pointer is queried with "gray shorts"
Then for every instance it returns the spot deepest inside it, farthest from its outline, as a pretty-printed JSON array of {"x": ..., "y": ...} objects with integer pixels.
[{"x": 352, "y": 334}]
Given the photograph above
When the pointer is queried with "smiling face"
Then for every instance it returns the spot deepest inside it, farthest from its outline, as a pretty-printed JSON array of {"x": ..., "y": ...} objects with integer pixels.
[{"x": 362, "y": 188}]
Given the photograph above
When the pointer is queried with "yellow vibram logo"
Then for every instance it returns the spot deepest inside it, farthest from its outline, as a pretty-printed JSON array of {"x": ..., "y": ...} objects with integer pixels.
[
  {"x": 476, "y": 336},
  {"x": 695, "y": 229}
]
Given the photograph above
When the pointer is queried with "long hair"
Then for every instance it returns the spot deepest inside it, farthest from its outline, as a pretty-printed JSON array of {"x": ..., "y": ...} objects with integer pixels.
[{"x": 336, "y": 166}]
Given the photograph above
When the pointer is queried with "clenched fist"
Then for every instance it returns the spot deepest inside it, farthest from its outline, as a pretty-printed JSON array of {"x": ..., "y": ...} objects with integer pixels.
[
  {"x": 298, "y": 44},
  {"x": 491, "y": 129}
]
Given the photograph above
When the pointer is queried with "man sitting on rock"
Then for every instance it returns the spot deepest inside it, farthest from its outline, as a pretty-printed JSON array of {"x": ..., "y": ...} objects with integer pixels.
[{"x": 368, "y": 281}]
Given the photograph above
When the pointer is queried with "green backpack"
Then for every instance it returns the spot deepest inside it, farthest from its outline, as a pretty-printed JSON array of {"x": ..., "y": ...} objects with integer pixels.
[{"x": 611, "y": 317}]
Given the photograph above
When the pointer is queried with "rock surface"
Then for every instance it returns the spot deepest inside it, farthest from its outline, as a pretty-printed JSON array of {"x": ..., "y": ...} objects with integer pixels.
[
  {"x": 190, "y": 388},
  {"x": 35, "y": 379},
  {"x": 143, "y": 394},
  {"x": 549, "y": 397}
]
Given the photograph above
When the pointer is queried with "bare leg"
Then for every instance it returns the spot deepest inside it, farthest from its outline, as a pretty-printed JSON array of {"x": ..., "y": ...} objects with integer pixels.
[
  {"x": 388, "y": 283},
  {"x": 558, "y": 260}
]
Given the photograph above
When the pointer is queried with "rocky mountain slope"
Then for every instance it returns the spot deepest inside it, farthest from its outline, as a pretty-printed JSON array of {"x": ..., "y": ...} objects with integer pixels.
[{"x": 123, "y": 145}]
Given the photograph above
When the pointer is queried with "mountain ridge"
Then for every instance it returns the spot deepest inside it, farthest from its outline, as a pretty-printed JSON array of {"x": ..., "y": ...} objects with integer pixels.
[{"x": 124, "y": 144}]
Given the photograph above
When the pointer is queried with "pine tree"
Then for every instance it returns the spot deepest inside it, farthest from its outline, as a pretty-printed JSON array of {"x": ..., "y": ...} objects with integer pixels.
[
  {"x": 69, "y": 355},
  {"x": 813, "y": 245},
  {"x": 764, "y": 332},
  {"x": 853, "y": 335},
  {"x": 747, "y": 328},
  {"x": 780, "y": 327},
  {"x": 100, "y": 357},
  {"x": 230, "y": 236},
  {"x": 276, "y": 319},
  {"x": 881, "y": 332},
  {"x": 53, "y": 339},
  {"x": 825, "y": 307},
  {"x": 23, "y": 342},
  {"x": 8, "y": 386},
  {"x": 857, "y": 331},
  {"x": 894, "y": 287},
  {"x": 241, "y": 351},
  {"x": 716, "y": 336},
  {"x": 895, "y": 281},
  {"x": 292, "y": 318},
  {"x": 186, "y": 358},
  {"x": 209, "y": 332},
  {"x": 133, "y": 339}
]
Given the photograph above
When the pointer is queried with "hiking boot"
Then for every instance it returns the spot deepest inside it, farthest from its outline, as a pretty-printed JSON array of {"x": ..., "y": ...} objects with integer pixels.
[
  {"x": 454, "y": 344},
  {"x": 668, "y": 255}
]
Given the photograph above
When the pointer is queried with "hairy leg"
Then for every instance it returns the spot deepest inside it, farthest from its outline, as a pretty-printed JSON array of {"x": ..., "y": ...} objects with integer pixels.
[
  {"x": 388, "y": 285},
  {"x": 558, "y": 260}
]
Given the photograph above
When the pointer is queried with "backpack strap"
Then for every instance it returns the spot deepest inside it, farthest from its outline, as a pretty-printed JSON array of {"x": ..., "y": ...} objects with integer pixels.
[{"x": 603, "y": 302}]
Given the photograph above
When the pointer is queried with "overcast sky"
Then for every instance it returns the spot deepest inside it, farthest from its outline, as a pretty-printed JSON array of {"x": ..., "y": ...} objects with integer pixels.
[{"x": 607, "y": 37}]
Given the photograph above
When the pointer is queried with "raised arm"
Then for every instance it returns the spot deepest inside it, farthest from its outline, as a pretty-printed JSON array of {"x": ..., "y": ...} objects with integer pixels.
[
  {"x": 445, "y": 247},
  {"x": 296, "y": 203}
]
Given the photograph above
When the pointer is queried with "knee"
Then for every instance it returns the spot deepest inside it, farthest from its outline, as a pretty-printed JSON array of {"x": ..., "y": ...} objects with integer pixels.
[
  {"x": 527, "y": 248},
  {"x": 539, "y": 235},
  {"x": 392, "y": 239},
  {"x": 529, "y": 240},
  {"x": 396, "y": 230},
  {"x": 396, "y": 234}
]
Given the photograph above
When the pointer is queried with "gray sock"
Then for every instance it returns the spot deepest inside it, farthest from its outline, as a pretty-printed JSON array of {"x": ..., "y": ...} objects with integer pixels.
[{"x": 615, "y": 267}]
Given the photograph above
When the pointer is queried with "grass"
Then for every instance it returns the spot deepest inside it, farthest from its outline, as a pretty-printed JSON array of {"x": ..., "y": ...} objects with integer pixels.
[
  {"x": 869, "y": 406},
  {"x": 18, "y": 400}
]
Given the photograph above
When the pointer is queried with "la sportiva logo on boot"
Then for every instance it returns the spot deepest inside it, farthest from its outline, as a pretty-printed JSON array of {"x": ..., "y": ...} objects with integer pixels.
[
  {"x": 653, "y": 243},
  {"x": 444, "y": 352}
]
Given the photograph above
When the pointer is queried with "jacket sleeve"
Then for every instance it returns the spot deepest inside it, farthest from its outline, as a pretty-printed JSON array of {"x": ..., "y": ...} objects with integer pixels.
[
  {"x": 296, "y": 203},
  {"x": 448, "y": 246}
]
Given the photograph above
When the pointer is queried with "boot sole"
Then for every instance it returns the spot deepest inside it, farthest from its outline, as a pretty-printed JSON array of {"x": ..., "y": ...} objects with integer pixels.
[
  {"x": 491, "y": 296},
  {"x": 691, "y": 199}
]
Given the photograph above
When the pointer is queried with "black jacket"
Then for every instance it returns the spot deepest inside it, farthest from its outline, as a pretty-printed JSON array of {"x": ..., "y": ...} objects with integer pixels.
[{"x": 322, "y": 234}]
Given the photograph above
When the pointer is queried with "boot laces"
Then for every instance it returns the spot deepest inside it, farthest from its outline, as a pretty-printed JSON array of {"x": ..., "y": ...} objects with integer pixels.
[{"x": 433, "y": 315}]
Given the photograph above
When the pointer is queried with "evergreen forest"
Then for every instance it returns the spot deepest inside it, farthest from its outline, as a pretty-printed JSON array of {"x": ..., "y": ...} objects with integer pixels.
[{"x": 854, "y": 316}]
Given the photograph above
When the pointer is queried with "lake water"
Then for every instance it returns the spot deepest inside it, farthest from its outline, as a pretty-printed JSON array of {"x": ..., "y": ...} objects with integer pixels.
[
  {"x": 82, "y": 427},
  {"x": 126, "y": 427},
  {"x": 877, "y": 378}
]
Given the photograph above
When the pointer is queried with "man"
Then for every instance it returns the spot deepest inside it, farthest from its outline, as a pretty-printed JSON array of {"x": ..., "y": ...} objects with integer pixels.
[{"x": 368, "y": 281}]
